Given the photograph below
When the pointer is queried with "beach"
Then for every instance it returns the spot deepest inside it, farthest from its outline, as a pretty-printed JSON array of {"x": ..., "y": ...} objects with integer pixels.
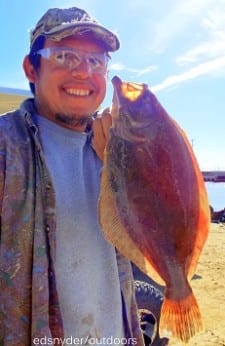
[{"x": 209, "y": 288}]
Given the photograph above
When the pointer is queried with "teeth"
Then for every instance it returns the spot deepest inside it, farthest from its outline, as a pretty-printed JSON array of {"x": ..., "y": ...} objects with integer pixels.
[{"x": 78, "y": 92}]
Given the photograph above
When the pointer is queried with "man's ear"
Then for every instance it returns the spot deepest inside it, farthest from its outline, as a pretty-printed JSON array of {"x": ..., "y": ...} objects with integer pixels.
[{"x": 29, "y": 70}]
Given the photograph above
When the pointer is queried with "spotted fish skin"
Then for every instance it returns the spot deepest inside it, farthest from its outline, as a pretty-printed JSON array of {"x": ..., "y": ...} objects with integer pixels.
[{"x": 153, "y": 203}]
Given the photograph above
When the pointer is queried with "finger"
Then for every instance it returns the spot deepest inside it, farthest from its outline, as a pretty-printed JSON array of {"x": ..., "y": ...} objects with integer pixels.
[
  {"x": 106, "y": 121},
  {"x": 106, "y": 124},
  {"x": 99, "y": 139}
]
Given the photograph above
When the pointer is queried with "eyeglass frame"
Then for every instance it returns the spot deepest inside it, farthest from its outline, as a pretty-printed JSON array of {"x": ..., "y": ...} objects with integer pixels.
[{"x": 103, "y": 57}]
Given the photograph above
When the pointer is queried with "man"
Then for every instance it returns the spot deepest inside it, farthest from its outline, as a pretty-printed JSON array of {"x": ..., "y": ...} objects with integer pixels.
[{"x": 60, "y": 281}]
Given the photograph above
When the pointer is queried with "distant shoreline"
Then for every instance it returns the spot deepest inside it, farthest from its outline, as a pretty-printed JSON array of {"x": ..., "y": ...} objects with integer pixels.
[{"x": 214, "y": 176}]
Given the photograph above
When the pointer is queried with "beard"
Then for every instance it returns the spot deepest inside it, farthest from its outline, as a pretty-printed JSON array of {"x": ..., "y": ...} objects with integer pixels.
[{"x": 74, "y": 120}]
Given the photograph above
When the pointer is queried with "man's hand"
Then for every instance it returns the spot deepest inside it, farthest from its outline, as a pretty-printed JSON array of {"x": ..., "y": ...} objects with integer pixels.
[{"x": 100, "y": 128}]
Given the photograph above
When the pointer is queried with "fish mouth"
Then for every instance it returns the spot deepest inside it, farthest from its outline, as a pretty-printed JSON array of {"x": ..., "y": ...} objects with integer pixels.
[{"x": 128, "y": 90}]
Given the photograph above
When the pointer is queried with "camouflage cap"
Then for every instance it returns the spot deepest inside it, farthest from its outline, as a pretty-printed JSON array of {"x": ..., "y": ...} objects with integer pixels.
[{"x": 58, "y": 23}]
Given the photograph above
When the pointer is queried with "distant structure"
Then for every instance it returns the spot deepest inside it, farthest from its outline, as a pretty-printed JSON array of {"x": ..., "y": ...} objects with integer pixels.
[{"x": 214, "y": 176}]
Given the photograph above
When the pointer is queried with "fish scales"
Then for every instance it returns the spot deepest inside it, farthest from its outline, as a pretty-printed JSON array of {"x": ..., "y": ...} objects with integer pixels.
[{"x": 153, "y": 204}]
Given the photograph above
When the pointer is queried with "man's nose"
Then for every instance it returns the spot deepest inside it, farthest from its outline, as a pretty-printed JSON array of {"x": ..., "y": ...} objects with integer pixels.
[{"x": 82, "y": 70}]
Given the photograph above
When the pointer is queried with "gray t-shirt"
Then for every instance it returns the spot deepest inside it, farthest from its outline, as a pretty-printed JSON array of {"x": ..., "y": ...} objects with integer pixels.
[{"x": 86, "y": 268}]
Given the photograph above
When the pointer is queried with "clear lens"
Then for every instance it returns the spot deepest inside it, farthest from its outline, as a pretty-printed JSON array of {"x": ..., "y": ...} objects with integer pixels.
[{"x": 72, "y": 58}]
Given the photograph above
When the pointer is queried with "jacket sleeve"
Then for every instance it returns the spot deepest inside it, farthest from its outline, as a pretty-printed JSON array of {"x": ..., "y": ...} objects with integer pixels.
[
  {"x": 130, "y": 311},
  {"x": 2, "y": 172}
]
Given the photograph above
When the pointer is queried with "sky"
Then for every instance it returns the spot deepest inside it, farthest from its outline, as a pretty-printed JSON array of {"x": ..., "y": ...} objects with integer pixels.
[{"x": 177, "y": 47}]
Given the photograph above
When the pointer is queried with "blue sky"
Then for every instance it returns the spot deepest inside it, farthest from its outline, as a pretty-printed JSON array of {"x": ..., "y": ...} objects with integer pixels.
[{"x": 176, "y": 46}]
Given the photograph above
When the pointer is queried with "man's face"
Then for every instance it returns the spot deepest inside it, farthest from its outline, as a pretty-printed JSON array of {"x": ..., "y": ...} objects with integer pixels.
[{"x": 69, "y": 96}]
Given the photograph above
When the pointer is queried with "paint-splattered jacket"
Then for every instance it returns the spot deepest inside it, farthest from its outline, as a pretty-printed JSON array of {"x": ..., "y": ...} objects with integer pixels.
[{"x": 28, "y": 298}]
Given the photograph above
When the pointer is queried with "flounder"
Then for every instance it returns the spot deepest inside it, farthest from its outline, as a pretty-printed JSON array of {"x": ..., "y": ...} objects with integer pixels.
[{"x": 153, "y": 204}]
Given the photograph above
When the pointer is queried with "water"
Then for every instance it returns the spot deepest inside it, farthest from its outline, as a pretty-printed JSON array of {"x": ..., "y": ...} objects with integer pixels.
[{"x": 216, "y": 194}]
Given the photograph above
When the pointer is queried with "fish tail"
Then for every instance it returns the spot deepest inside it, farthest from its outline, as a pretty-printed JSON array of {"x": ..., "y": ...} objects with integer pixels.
[{"x": 181, "y": 318}]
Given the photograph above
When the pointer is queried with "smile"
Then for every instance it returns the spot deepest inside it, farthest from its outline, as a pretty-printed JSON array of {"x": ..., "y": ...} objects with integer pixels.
[{"x": 78, "y": 92}]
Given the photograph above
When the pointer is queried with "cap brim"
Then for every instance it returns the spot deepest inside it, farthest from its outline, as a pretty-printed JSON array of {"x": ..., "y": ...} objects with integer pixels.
[{"x": 108, "y": 38}]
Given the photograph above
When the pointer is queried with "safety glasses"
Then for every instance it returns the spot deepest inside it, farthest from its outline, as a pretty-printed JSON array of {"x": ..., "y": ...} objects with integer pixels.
[{"x": 71, "y": 58}]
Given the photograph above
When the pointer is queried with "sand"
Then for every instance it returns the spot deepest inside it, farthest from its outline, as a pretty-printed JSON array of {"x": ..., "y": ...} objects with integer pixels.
[
  {"x": 9, "y": 102},
  {"x": 209, "y": 288}
]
